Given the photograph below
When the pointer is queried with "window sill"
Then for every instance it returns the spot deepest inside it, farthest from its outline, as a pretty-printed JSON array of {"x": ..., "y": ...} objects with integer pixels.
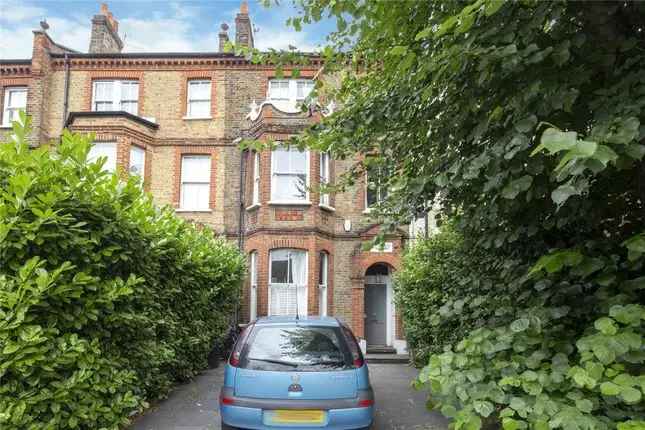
[
  {"x": 253, "y": 206},
  {"x": 327, "y": 207},
  {"x": 6, "y": 126},
  {"x": 197, "y": 118},
  {"x": 368, "y": 211},
  {"x": 193, "y": 210},
  {"x": 289, "y": 203}
]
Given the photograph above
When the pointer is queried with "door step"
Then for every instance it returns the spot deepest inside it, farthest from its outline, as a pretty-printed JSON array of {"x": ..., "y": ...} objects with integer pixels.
[
  {"x": 387, "y": 358},
  {"x": 380, "y": 350}
]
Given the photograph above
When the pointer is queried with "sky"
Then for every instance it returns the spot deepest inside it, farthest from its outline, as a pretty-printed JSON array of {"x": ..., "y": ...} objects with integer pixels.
[{"x": 151, "y": 25}]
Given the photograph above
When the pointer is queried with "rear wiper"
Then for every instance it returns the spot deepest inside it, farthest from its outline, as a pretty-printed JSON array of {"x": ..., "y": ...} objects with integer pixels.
[
  {"x": 338, "y": 363},
  {"x": 268, "y": 360}
]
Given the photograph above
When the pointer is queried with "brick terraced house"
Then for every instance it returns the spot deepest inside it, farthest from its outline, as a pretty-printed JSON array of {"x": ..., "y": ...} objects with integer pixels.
[{"x": 176, "y": 120}]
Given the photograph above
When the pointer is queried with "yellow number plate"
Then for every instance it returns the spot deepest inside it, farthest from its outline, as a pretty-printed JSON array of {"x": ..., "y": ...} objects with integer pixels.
[{"x": 298, "y": 416}]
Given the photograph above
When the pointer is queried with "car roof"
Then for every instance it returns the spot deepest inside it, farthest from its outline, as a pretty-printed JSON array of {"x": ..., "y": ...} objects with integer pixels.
[{"x": 303, "y": 321}]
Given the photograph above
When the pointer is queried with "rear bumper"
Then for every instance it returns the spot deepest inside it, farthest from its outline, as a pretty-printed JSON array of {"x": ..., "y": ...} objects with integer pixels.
[
  {"x": 340, "y": 414},
  {"x": 335, "y": 419}
]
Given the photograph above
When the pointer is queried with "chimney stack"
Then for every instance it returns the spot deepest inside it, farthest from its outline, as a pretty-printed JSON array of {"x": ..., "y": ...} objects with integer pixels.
[
  {"x": 105, "y": 37},
  {"x": 243, "y": 28},
  {"x": 223, "y": 36}
]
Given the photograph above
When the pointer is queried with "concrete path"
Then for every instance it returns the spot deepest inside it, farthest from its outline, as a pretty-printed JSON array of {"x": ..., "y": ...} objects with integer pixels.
[{"x": 194, "y": 406}]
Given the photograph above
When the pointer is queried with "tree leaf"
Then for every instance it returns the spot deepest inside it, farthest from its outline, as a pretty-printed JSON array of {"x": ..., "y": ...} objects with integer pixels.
[
  {"x": 606, "y": 326},
  {"x": 520, "y": 325},
  {"x": 562, "y": 193},
  {"x": 526, "y": 124},
  {"x": 635, "y": 151},
  {"x": 492, "y": 6},
  {"x": 584, "y": 405},
  {"x": 554, "y": 141},
  {"x": 609, "y": 389},
  {"x": 510, "y": 424},
  {"x": 630, "y": 395},
  {"x": 517, "y": 186},
  {"x": 483, "y": 408}
]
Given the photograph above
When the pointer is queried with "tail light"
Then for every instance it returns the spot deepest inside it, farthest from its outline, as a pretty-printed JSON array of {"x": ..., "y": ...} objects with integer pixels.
[
  {"x": 357, "y": 355},
  {"x": 365, "y": 403},
  {"x": 236, "y": 354},
  {"x": 226, "y": 401}
]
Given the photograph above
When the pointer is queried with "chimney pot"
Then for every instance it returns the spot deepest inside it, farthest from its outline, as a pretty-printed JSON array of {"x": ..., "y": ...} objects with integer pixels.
[
  {"x": 223, "y": 36},
  {"x": 105, "y": 37},
  {"x": 243, "y": 27}
]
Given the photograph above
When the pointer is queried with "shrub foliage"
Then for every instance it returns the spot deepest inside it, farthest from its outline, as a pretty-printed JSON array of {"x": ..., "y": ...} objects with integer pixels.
[
  {"x": 526, "y": 119},
  {"x": 105, "y": 299}
]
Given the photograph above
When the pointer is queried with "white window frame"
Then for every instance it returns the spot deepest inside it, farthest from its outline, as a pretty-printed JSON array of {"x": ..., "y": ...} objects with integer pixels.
[
  {"x": 322, "y": 284},
  {"x": 111, "y": 163},
  {"x": 302, "y": 307},
  {"x": 253, "y": 296},
  {"x": 190, "y": 100},
  {"x": 305, "y": 200},
  {"x": 325, "y": 177},
  {"x": 133, "y": 149},
  {"x": 183, "y": 182},
  {"x": 256, "y": 178},
  {"x": 116, "y": 98},
  {"x": 12, "y": 111},
  {"x": 292, "y": 99}
]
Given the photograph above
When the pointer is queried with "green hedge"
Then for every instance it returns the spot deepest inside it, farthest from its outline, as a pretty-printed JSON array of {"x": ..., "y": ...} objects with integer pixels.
[
  {"x": 445, "y": 289},
  {"x": 559, "y": 345},
  {"x": 106, "y": 301}
]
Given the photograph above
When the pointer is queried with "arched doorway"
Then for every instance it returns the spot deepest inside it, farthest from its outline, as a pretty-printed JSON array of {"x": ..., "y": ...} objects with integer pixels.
[{"x": 379, "y": 328}]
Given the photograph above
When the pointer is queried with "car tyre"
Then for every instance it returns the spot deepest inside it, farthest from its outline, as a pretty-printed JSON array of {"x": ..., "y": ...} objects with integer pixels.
[{"x": 225, "y": 426}]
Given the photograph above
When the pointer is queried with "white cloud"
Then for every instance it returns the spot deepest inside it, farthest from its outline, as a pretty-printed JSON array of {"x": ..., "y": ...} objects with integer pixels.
[
  {"x": 173, "y": 30},
  {"x": 15, "y": 43},
  {"x": 164, "y": 35},
  {"x": 16, "y": 12}
]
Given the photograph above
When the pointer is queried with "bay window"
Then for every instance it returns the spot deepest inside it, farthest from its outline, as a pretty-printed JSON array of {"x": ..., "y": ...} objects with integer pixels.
[
  {"x": 253, "y": 296},
  {"x": 288, "y": 282},
  {"x": 137, "y": 161},
  {"x": 323, "y": 270},
  {"x": 106, "y": 150},
  {"x": 15, "y": 100},
  {"x": 199, "y": 99},
  {"x": 289, "y": 180},
  {"x": 108, "y": 95},
  {"x": 195, "y": 182}
]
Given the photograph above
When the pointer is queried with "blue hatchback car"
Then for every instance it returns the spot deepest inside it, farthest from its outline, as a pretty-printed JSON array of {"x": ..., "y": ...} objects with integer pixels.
[{"x": 296, "y": 374}]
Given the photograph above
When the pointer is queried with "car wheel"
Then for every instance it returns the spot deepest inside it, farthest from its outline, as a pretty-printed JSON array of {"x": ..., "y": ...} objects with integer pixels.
[{"x": 227, "y": 427}]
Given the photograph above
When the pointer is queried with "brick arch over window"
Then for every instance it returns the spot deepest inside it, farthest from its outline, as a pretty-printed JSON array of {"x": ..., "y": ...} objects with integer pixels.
[{"x": 264, "y": 243}]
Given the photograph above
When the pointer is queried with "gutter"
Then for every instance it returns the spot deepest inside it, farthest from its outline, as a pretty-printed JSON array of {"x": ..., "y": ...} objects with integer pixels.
[
  {"x": 110, "y": 113},
  {"x": 66, "y": 91}
]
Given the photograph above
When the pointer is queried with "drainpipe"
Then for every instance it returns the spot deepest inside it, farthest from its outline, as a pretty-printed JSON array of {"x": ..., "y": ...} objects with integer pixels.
[
  {"x": 240, "y": 222},
  {"x": 66, "y": 90},
  {"x": 240, "y": 229}
]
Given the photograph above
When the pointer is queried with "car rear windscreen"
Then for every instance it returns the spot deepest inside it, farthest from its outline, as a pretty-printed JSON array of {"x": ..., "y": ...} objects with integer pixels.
[{"x": 296, "y": 348}]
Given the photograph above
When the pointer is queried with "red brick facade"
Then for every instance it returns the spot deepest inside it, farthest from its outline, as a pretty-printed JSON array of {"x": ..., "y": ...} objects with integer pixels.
[{"x": 339, "y": 229}]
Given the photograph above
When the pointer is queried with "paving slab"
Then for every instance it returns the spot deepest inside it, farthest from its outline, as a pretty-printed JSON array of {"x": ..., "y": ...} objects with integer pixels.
[{"x": 194, "y": 406}]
